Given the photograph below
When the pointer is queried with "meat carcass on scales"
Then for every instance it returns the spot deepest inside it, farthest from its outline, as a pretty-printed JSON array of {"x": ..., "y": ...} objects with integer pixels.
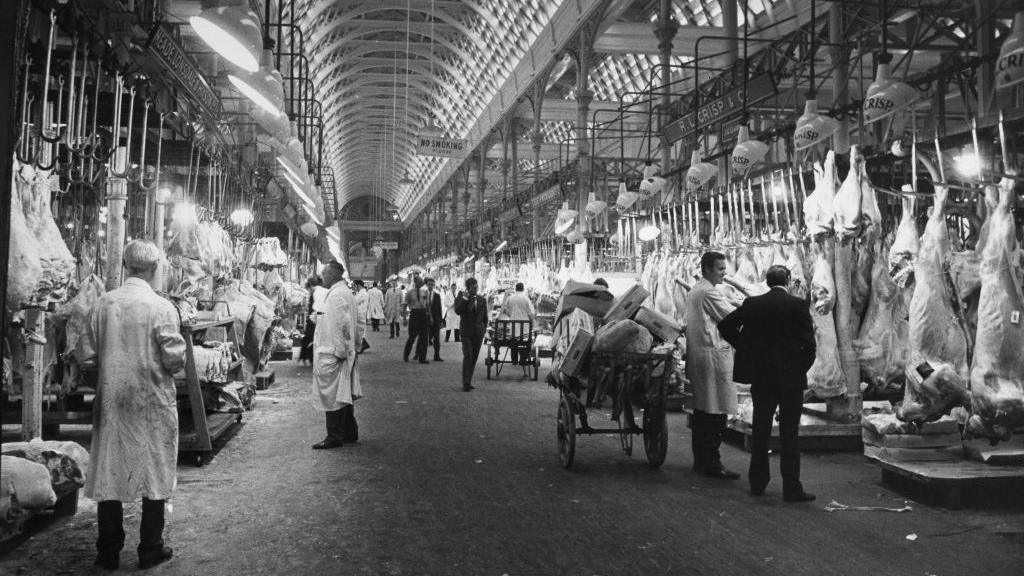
[
  {"x": 881, "y": 344},
  {"x": 846, "y": 213},
  {"x": 24, "y": 268},
  {"x": 825, "y": 377},
  {"x": 997, "y": 374},
  {"x": 819, "y": 206},
  {"x": 937, "y": 366},
  {"x": 905, "y": 247}
]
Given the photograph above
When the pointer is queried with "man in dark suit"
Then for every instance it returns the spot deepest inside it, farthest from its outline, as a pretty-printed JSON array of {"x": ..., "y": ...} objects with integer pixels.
[
  {"x": 774, "y": 341},
  {"x": 436, "y": 315},
  {"x": 472, "y": 311}
]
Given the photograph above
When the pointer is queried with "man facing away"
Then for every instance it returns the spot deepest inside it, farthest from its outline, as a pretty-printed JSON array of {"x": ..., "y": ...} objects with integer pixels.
[
  {"x": 133, "y": 340},
  {"x": 472, "y": 311},
  {"x": 419, "y": 321},
  {"x": 709, "y": 367},
  {"x": 774, "y": 340},
  {"x": 362, "y": 309},
  {"x": 436, "y": 311},
  {"x": 393, "y": 302},
  {"x": 375, "y": 306},
  {"x": 336, "y": 384},
  {"x": 518, "y": 307},
  {"x": 450, "y": 317}
]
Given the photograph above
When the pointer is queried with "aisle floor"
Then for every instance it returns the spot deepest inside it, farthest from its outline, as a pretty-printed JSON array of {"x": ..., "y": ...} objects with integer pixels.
[{"x": 444, "y": 482}]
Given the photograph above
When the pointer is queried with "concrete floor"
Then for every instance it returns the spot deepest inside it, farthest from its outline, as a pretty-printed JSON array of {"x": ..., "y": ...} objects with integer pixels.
[{"x": 448, "y": 483}]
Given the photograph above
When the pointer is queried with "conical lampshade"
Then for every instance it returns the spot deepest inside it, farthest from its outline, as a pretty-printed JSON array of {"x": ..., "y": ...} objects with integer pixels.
[
  {"x": 262, "y": 87},
  {"x": 650, "y": 170},
  {"x": 1010, "y": 65},
  {"x": 699, "y": 173},
  {"x": 886, "y": 96},
  {"x": 565, "y": 220},
  {"x": 233, "y": 32},
  {"x": 812, "y": 128},
  {"x": 309, "y": 229},
  {"x": 747, "y": 152},
  {"x": 594, "y": 206}
]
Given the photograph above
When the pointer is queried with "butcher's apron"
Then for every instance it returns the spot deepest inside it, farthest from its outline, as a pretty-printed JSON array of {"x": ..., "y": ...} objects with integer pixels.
[{"x": 708, "y": 356}]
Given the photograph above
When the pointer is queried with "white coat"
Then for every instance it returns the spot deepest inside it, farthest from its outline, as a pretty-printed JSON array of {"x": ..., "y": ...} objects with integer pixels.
[
  {"x": 335, "y": 364},
  {"x": 375, "y": 304},
  {"x": 133, "y": 339},
  {"x": 393, "y": 305},
  {"x": 708, "y": 356},
  {"x": 451, "y": 319}
]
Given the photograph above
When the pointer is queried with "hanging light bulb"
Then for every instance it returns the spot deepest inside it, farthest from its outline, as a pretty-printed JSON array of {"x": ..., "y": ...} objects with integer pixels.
[
  {"x": 747, "y": 153},
  {"x": 1010, "y": 64},
  {"x": 886, "y": 96},
  {"x": 811, "y": 127},
  {"x": 648, "y": 233},
  {"x": 233, "y": 32}
]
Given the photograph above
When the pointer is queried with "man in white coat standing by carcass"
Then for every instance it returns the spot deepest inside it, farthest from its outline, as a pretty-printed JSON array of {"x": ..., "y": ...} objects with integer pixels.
[
  {"x": 133, "y": 341},
  {"x": 709, "y": 367},
  {"x": 335, "y": 361}
]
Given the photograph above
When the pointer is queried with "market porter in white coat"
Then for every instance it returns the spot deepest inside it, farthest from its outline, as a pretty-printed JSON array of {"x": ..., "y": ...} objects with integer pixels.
[
  {"x": 335, "y": 373},
  {"x": 708, "y": 355}
]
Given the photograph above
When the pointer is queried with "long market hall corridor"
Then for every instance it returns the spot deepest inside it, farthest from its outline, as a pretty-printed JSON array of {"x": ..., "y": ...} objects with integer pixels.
[{"x": 444, "y": 482}]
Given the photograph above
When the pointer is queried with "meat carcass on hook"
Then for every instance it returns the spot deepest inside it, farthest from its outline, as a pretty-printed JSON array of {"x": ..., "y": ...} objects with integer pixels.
[
  {"x": 905, "y": 246},
  {"x": 818, "y": 208},
  {"x": 663, "y": 301},
  {"x": 881, "y": 344},
  {"x": 825, "y": 377},
  {"x": 965, "y": 266},
  {"x": 937, "y": 367},
  {"x": 798, "y": 285},
  {"x": 24, "y": 268},
  {"x": 846, "y": 214},
  {"x": 997, "y": 374}
]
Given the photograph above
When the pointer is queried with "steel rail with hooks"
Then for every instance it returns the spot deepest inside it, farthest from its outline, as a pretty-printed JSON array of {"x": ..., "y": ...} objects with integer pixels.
[
  {"x": 112, "y": 170},
  {"x": 159, "y": 153},
  {"x": 76, "y": 143},
  {"x": 137, "y": 173}
]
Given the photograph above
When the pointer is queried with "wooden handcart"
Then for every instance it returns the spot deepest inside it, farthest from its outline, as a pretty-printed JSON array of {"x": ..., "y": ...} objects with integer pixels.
[
  {"x": 632, "y": 382},
  {"x": 511, "y": 342}
]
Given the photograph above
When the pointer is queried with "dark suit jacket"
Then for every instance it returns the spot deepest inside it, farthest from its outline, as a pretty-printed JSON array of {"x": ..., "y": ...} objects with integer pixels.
[
  {"x": 436, "y": 313},
  {"x": 774, "y": 340},
  {"x": 471, "y": 324}
]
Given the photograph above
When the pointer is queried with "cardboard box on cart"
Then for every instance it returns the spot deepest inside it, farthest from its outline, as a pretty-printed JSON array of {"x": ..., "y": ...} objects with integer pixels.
[
  {"x": 576, "y": 355},
  {"x": 661, "y": 326},
  {"x": 627, "y": 305},
  {"x": 593, "y": 299}
]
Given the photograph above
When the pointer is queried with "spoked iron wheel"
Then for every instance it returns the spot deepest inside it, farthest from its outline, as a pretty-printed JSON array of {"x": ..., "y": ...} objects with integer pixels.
[
  {"x": 566, "y": 432},
  {"x": 655, "y": 435}
]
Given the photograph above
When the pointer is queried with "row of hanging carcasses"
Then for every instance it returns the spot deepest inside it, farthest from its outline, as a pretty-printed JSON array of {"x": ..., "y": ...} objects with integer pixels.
[{"x": 945, "y": 325}]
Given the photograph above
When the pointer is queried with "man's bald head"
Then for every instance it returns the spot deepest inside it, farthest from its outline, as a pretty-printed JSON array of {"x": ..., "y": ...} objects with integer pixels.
[{"x": 332, "y": 274}]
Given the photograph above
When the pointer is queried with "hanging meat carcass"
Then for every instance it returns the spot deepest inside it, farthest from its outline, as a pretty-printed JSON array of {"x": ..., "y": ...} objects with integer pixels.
[
  {"x": 905, "y": 247},
  {"x": 746, "y": 278},
  {"x": 865, "y": 253},
  {"x": 24, "y": 253},
  {"x": 937, "y": 368},
  {"x": 819, "y": 206},
  {"x": 846, "y": 213},
  {"x": 825, "y": 377},
  {"x": 997, "y": 374},
  {"x": 663, "y": 301},
  {"x": 254, "y": 317},
  {"x": 881, "y": 344},
  {"x": 73, "y": 317},
  {"x": 965, "y": 266},
  {"x": 57, "y": 262},
  {"x": 798, "y": 285}
]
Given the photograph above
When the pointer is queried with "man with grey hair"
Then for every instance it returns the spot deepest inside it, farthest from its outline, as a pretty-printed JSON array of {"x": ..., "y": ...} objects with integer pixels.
[
  {"x": 133, "y": 340},
  {"x": 335, "y": 355}
]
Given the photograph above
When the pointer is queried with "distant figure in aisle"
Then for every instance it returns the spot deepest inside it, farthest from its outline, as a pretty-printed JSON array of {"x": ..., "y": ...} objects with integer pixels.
[
  {"x": 709, "y": 367},
  {"x": 133, "y": 340},
  {"x": 774, "y": 340},
  {"x": 375, "y": 306},
  {"x": 336, "y": 366},
  {"x": 472, "y": 311},
  {"x": 436, "y": 311},
  {"x": 317, "y": 293},
  {"x": 362, "y": 307},
  {"x": 518, "y": 307},
  {"x": 451, "y": 319},
  {"x": 393, "y": 310},
  {"x": 419, "y": 321}
]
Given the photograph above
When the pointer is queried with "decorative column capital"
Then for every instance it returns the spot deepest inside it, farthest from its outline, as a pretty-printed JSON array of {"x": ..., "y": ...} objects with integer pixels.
[
  {"x": 537, "y": 137},
  {"x": 665, "y": 30}
]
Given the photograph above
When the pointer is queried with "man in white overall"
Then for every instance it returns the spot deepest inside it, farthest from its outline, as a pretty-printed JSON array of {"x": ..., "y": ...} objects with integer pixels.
[{"x": 335, "y": 362}]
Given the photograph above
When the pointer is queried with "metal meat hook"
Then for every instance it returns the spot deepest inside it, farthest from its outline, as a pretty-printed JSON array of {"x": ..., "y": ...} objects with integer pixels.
[
  {"x": 159, "y": 152},
  {"x": 23, "y": 151},
  {"x": 138, "y": 172},
  {"x": 111, "y": 163}
]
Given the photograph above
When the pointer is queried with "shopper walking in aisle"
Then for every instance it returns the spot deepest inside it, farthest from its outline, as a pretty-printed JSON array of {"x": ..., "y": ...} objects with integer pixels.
[
  {"x": 472, "y": 311},
  {"x": 451, "y": 319},
  {"x": 393, "y": 310},
  {"x": 336, "y": 366},
  {"x": 133, "y": 340},
  {"x": 315, "y": 308},
  {"x": 436, "y": 317},
  {"x": 774, "y": 340},
  {"x": 518, "y": 307},
  {"x": 375, "y": 306},
  {"x": 419, "y": 320},
  {"x": 709, "y": 367},
  {"x": 362, "y": 308}
]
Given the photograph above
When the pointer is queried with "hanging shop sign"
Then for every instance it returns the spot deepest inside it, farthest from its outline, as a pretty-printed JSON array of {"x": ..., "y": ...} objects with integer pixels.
[
  {"x": 760, "y": 87},
  {"x": 387, "y": 245},
  {"x": 438, "y": 146},
  {"x": 169, "y": 52}
]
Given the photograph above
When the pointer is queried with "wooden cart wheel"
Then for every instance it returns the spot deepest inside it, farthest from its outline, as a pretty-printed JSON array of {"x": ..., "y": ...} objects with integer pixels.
[
  {"x": 566, "y": 432},
  {"x": 655, "y": 435}
]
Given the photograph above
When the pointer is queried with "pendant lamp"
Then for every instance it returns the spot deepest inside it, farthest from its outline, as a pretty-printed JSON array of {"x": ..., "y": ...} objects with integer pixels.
[
  {"x": 651, "y": 184},
  {"x": 699, "y": 173},
  {"x": 565, "y": 220},
  {"x": 811, "y": 127},
  {"x": 309, "y": 229},
  {"x": 233, "y": 32},
  {"x": 648, "y": 233},
  {"x": 575, "y": 237},
  {"x": 747, "y": 153},
  {"x": 594, "y": 206},
  {"x": 1010, "y": 65},
  {"x": 886, "y": 96},
  {"x": 625, "y": 198}
]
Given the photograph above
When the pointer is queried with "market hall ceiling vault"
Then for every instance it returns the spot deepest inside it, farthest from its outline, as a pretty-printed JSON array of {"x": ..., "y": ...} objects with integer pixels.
[{"x": 385, "y": 69}]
